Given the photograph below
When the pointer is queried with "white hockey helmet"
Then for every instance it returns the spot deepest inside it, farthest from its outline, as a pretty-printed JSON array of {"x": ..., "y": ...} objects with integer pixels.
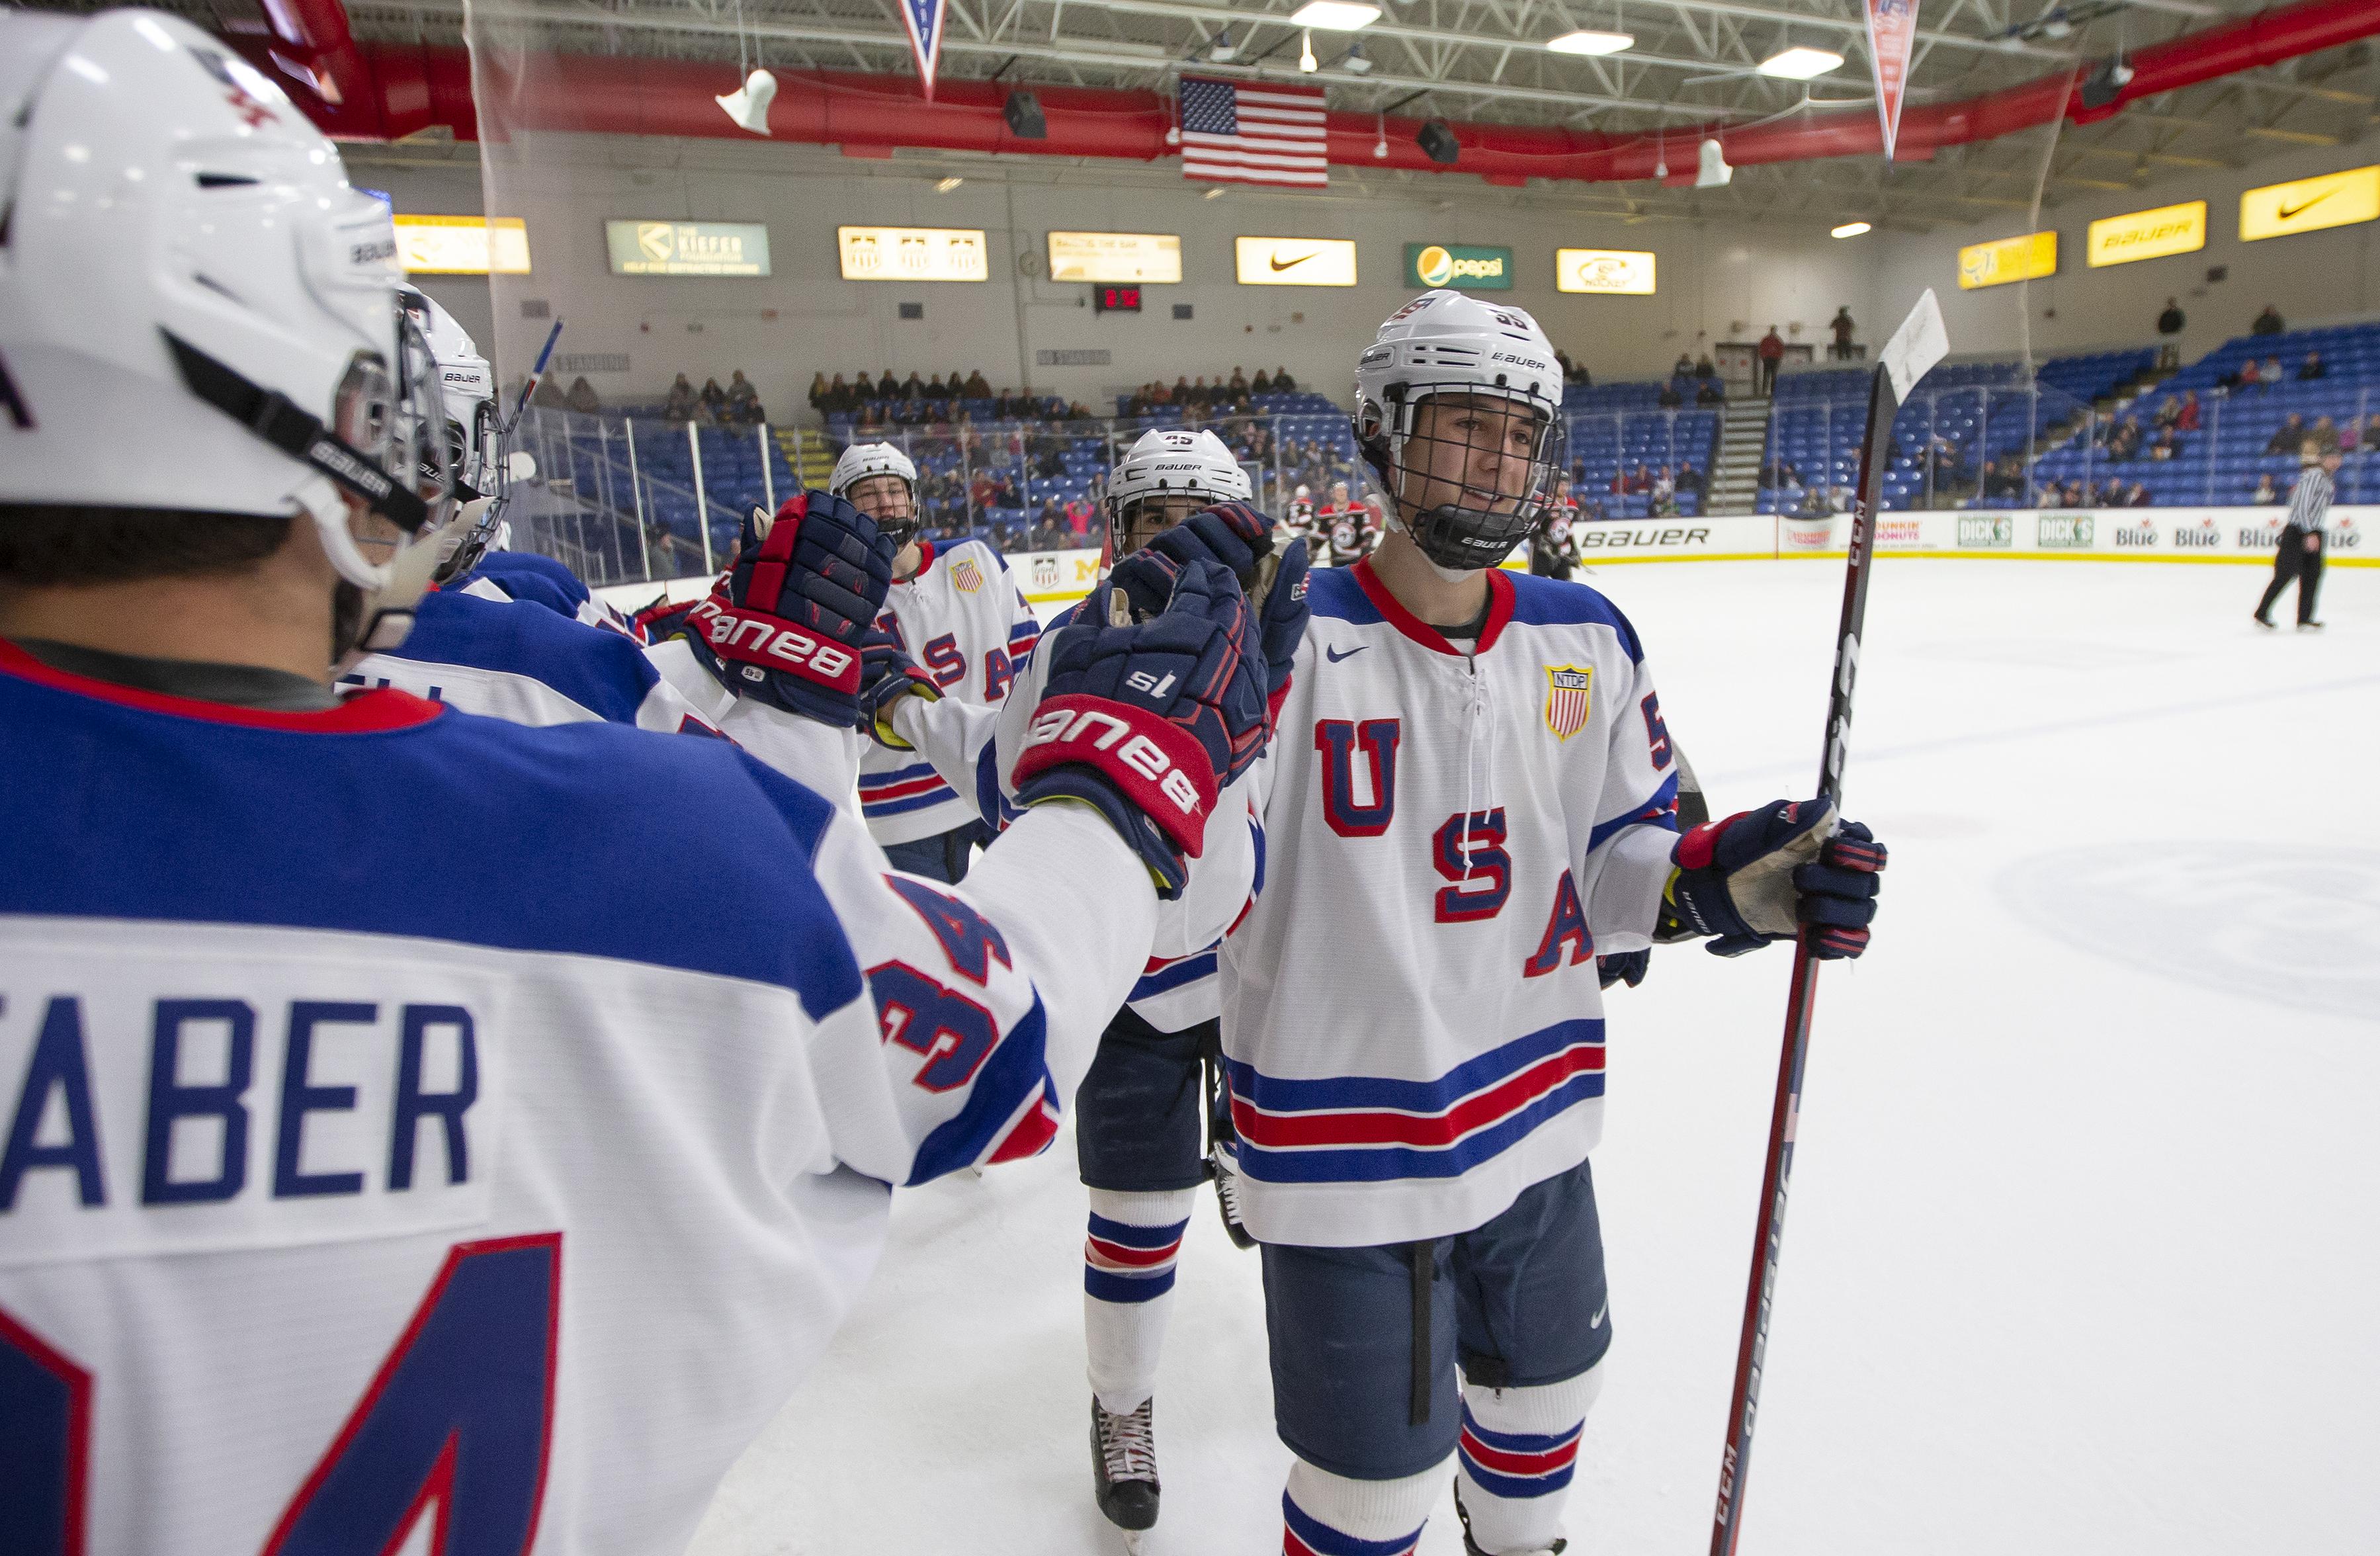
[
  {"x": 471, "y": 437},
  {"x": 862, "y": 460},
  {"x": 1168, "y": 463},
  {"x": 1449, "y": 344},
  {"x": 196, "y": 312}
]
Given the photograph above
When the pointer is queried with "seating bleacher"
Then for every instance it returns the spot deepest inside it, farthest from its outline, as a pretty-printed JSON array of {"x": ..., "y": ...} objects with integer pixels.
[{"x": 1983, "y": 410}]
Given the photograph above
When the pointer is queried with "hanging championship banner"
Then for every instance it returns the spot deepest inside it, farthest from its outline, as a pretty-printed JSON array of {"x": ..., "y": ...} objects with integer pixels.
[
  {"x": 923, "y": 18},
  {"x": 1891, "y": 32}
]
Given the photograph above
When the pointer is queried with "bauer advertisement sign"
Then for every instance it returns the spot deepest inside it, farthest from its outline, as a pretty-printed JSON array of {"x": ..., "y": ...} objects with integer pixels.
[{"x": 2147, "y": 234}]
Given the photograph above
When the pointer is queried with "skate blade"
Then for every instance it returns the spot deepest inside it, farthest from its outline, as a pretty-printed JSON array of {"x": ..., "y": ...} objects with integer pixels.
[{"x": 1134, "y": 1540}]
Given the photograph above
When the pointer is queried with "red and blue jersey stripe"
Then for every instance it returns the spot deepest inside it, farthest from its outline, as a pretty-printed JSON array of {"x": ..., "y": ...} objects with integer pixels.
[
  {"x": 1370, "y": 1128},
  {"x": 914, "y": 787}
]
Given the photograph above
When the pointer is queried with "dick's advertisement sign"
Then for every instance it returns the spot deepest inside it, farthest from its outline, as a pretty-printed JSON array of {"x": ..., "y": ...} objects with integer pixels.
[{"x": 1453, "y": 264}]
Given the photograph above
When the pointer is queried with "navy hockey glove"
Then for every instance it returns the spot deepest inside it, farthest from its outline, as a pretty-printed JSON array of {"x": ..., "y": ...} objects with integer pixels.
[
  {"x": 1232, "y": 533},
  {"x": 1241, "y": 539},
  {"x": 1772, "y": 873},
  {"x": 661, "y": 620},
  {"x": 1145, "y": 722},
  {"x": 784, "y": 624},
  {"x": 1282, "y": 614},
  {"x": 887, "y": 674},
  {"x": 1627, "y": 967}
]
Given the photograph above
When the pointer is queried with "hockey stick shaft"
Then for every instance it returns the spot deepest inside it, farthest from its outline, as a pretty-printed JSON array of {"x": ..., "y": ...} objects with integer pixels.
[
  {"x": 1915, "y": 348},
  {"x": 529, "y": 385}
]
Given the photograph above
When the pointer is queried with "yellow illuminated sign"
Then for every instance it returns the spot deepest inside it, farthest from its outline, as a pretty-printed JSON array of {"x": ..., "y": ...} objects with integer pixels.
[
  {"x": 913, "y": 253},
  {"x": 1146, "y": 257},
  {"x": 2148, "y": 234},
  {"x": 1615, "y": 272},
  {"x": 2334, "y": 200},
  {"x": 1295, "y": 261},
  {"x": 1997, "y": 263},
  {"x": 463, "y": 245}
]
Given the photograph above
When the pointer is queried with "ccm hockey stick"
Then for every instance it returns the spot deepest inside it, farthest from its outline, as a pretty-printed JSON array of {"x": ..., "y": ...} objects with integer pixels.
[{"x": 1914, "y": 348}]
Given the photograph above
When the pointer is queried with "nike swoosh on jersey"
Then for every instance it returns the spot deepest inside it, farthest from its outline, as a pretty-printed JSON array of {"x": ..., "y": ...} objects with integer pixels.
[
  {"x": 1596, "y": 1322},
  {"x": 1279, "y": 263},
  {"x": 2286, "y": 212},
  {"x": 1334, "y": 656}
]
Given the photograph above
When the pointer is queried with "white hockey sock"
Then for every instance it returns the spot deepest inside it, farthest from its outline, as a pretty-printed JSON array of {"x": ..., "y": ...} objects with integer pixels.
[
  {"x": 1327, "y": 1514},
  {"x": 1128, "y": 1289},
  {"x": 1514, "y": 1466}
]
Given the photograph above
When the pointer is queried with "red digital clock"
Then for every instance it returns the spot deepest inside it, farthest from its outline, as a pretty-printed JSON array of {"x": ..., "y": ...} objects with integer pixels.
[{"x": 1115, "y": 300}]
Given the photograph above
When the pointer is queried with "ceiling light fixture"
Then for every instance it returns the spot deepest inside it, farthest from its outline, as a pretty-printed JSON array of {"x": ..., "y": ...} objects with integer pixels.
[
  {"x": 1334, "y": 15},
  {"x": 1223, "y": 51},
  {"x": 1591, "y": 42},
  {"x": 1852, "y": 230},
  {"x": 1355, "y": 60},
  {"x": 1306, "y": 61},
  {"x": 947, "y": 185},
  {"x": 1800, "y": 63},
  {"x": 1215, "y": 193}
]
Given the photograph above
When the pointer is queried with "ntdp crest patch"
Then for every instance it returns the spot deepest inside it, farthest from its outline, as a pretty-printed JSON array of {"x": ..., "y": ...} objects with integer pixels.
[
  {"x": 967, "y": 576},
  {"x": 1568, "y": 700}
]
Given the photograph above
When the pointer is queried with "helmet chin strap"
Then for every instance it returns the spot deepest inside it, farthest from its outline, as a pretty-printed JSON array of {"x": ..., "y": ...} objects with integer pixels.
[{"x": 1446, "y": 575}]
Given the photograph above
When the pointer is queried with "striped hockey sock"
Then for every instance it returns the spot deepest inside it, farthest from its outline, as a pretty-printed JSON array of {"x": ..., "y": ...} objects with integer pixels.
[
  {"x": 1517, "y": 1452},
  {"x": 1327, "y": 1514},
  {"x": 1128, "y": 1289}
]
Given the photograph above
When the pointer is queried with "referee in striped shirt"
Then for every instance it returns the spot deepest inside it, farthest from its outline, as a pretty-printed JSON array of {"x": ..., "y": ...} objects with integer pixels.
[{"x": 2300, "y": 553}]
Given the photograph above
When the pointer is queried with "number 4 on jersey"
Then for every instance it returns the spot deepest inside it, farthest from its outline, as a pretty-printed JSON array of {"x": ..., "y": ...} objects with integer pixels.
[{"x": 454, "y": 1427}]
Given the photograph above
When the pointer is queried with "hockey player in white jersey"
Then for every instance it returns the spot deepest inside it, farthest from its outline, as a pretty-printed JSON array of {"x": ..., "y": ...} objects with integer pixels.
[
  {"x": 471, "y": 643},
  {"x": 1472, "y": 779},
  {"x": 379, "y": 1160},
  {"x": 958, "y": 613}
]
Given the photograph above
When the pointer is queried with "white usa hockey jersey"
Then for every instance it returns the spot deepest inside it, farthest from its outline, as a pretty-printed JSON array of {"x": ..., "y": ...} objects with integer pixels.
[
  {"x": 963, "y": 620},
  {"x": 1481, "y": 826},
  {"x": 380, "y": 1152},
  {"x": 545, "y": 580},
  {"x": 525, "y": 663}
]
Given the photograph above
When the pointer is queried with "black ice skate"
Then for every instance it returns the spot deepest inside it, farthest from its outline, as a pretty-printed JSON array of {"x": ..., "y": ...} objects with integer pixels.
[
  {"x": 1472, "y": 1548},
  {"x": 1124, "y": 1468},
  {"x": 1226, "y": 1169}
]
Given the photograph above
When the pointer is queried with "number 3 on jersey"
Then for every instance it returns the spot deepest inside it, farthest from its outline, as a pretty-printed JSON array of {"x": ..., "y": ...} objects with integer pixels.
[{"x": 454, "y": 1428}]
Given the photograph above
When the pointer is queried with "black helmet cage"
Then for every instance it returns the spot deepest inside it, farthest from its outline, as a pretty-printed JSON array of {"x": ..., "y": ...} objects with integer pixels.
[
  {"x": 900, "y": 531},
  {"x": 1473, "y": 532}
]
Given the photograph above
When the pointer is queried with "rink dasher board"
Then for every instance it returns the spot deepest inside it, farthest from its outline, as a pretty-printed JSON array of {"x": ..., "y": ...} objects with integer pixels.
[{"x": 2227, "y": 535}]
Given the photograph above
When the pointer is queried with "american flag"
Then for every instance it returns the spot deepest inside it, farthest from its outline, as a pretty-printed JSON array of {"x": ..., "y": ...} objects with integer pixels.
[{"x": 1254, "y": 133}]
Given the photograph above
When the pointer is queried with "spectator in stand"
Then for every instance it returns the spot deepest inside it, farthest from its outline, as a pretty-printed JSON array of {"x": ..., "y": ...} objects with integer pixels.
[
  {"x": 863, "y": 388},
  {"x": 2187, "y": 420},
  {"x": 2138, "y": 496},
  {"x": 2370, "y": 438},
  {"x": 1709, "y": 392},
  {"x": 1080, "y": 513},
  {"x": 1239, "y": 380},
  {"x": 1780, "y": 471},
  {"x": 2267, "y": 322},
  {"x": 2168, "y": 414},
  {"x": 743, "y": 400},
  {"x": 2165, "y": 445},
  {"x": 1664, "y": 493},
  {"x": 818, "y": 395},
  {"x": 1704, "y": 368},
  {"x": 682, "y": 404},
  {"x": 2313, "y": 367},
  {"x": 1689, "y": 478},
  {"x": 2324, "y": 434},
  {"x": 1771, "y": 354},
  {"x": 978, "y": 386},
  {"x": 2269, "y": 375},
  {"x": 2170, "y": 326},
  {"x": 582, "y": 397},
  {"x": 2266, "y": 493},
  {"x": 1843, "y": 327},
  {"x": 2286, "y": 438},
  {"x": 2244, "y": 378},
  {"x": 2046, "y": 495},
  {"x": 2003, "y": 478},
  {"x": 935, "y": 391},
  {"x": 1282, "y": 383},
  {"x": 1670, "y": 398},
  {"x": 1182, "y": 390},
  {"x": 2125, "y": 442},
  {"x": 1683, "y": 367}
]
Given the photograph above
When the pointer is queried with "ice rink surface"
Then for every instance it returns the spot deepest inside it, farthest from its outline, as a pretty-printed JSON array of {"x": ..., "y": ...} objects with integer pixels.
[{"x": 2085, "y": 1224}]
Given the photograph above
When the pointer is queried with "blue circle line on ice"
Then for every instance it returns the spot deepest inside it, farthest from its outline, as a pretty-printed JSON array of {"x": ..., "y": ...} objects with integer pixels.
[{"x": 2281, "y": 924}]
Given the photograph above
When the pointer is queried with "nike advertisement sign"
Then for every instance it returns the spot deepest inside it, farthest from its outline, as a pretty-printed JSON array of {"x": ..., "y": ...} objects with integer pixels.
[
  {"x": 1295, "y": 261},
  {"x": 2333, "y": 199}
]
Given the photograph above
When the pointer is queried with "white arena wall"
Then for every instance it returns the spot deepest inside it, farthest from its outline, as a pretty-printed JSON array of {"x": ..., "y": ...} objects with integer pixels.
[{"x": 1712, "y": 277}]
